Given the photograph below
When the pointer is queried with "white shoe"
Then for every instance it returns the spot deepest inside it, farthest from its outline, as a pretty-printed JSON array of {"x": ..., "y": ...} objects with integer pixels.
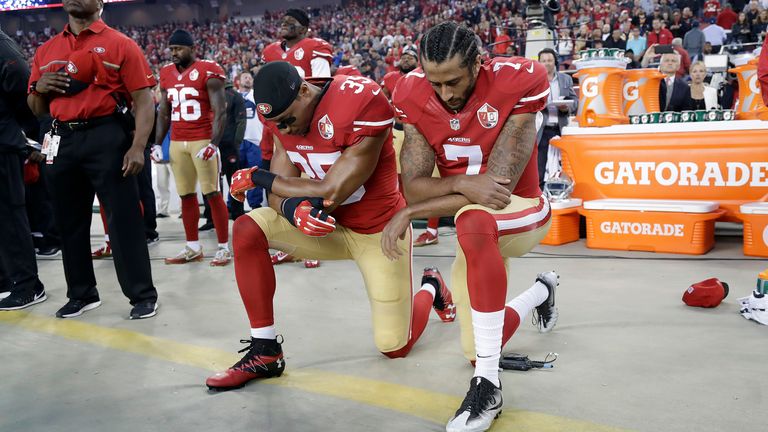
[
  {"x": 480, "y": 408},
  {"x": 545, "y": 316},
  {"x": 222, "y": 257},
  {"x": 186, "y": 255}
]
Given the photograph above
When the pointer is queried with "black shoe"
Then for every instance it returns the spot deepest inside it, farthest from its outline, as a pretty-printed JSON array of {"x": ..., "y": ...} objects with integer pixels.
[
  {"x": 143, "y": 310},
  {"x": 48, "y": 251},
  {"x": 206, "y": 226},
  {"x": 161, "y": 216},
  {"x": 21, "y": 300},
  {"x": 75, "y": 308},
  {"x": 151, "y": 241},
  {"x": 480, "y": 408},
  {"x": 263, "y": 359},
  {"x": 546, "y": 313}
]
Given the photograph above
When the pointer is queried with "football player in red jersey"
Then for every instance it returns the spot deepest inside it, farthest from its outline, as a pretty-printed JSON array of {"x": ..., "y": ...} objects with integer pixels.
[
  {"x": 478, "y": 122},
  {"x": 409, "y": 61},
  {"x": 311, "y": 56},
  {"x": 193, "y": 99},
  {"x": 337, "y": 132}
]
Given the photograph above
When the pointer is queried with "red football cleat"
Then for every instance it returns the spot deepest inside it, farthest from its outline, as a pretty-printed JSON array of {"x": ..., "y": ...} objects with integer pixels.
[
  {"x": 264, "y": 359},
  {"x": 425, "y": 239},
  {"x": 281, "y": 257},
  {"x": 443, "y": 303},
  {"x": 104, "y": 251},
  {"x": 311, "y": 263}
]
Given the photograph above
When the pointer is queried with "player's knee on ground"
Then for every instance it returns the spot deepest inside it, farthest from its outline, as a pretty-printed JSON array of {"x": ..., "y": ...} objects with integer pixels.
[
  {"x": 389, "y": 342},
  {"x": 475, "y": 221}
]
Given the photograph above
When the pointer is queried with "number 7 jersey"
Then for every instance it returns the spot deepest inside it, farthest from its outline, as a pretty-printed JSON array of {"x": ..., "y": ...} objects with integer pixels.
[
  {"x": 463, "y": 141},
  {"x": 191, "y": 114},
  {"x": 350, "y": 109}
]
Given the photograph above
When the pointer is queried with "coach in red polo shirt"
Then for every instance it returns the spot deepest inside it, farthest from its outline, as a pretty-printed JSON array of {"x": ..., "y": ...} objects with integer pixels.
[{"x": 87, "y": 77}]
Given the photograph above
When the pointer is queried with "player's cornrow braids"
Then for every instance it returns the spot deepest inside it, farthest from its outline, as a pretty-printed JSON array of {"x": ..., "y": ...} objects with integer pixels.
[{"x": 445, "y": 40}]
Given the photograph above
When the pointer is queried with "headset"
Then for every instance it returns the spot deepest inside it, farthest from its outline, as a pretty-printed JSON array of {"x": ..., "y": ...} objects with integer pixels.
[{"x": 554, "y": 54}]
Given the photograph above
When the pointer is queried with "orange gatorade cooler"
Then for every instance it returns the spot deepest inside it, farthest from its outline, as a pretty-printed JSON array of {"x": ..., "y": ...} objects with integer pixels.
[
  {"x": 750, "y": 104},
  {"x": 601, "y": 83},
  {"x": 641, "y": 91},
  {"x": 755, "y": 218},
  {"x": 684, "y": 227},
  {"x": 565, "y": 222}
]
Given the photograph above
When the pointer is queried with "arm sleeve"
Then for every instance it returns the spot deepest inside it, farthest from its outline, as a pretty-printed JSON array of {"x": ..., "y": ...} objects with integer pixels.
[
  {"x": 14, "y": 74},
  {"x": 374, "y": 118},
  {"x": 215, "y": 71},
  {"x": 35, "y": 70},
  {"x": 321, "y": 68},
  {"x": 134, "y": 70},
  {"x": 533, "y": 97}
]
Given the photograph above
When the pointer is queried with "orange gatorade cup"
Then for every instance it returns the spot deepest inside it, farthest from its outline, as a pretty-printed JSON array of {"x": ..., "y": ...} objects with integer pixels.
[
  {"x": 751, "y": 106},
  {"x": 641, "y": 91},
  {"x": 600, "y": 92}
]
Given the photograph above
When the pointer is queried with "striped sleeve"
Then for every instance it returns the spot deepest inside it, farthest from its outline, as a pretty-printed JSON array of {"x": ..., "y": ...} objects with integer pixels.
[
  {"x": 373, "y": 119},
  {"x": 533, "y": 97}
]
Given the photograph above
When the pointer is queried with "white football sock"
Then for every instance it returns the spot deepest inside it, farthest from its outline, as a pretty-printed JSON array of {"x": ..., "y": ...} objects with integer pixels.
[
  {"x": 529, "y": 299},
  {"x": 428, "y": 287},
  {"x": 488, "y": 328},
  {"x": 432, "y": 231},
  {"x": 224, "y": 246},
  {"x": 194, "y": 245},
  {"x": 263, "y": 332}
]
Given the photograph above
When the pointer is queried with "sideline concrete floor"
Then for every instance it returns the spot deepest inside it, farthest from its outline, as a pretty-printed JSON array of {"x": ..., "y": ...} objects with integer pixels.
[{"x": 632, "y": 356}]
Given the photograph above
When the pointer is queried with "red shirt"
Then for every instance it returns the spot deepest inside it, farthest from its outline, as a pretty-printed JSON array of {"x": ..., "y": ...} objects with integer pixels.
[
  {"x": 664, "y": 37},
  {"x": 501, "y": 43},
  {"x": 727, "y": 18},
  {"x": 348, "y": 70},
  {"x": 126, "y": 70},
  {"x": 191, "y": 113},
  {"x": 351, "y": 109},
  {"x": 390, "y": 80},
  {"x": 464, "y": 141},
  {"x": 299, "y": 55},
  {"x": 762, "y": 72},
  {"x": 711, "y": 8}
]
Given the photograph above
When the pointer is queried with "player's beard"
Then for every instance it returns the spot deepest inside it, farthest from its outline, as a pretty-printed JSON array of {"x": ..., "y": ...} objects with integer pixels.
[{"x": 407, "y": 70}]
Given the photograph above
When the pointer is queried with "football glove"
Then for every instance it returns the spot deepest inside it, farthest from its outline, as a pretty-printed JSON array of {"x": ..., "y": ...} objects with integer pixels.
[
  {"x": 157, "y": 153},
  {"x": 308, "y": 216},
  {"x": 207, "y": 152},
  {"x": 241, "y": 183}
]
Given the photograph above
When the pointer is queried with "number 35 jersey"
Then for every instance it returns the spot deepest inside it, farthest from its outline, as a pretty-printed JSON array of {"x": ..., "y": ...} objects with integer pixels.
[
  {"x": 191, "y": 114},
  {"x": 463, "y": 141},
  {"x": 350, "y": 109}
]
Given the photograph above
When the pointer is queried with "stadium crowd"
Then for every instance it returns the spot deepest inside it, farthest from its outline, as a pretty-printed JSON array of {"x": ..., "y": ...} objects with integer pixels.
[{"x": 371, "y": 34}]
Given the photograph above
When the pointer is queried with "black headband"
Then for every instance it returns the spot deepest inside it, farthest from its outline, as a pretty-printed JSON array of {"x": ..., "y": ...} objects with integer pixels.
[
  {"x": 300, "y": 16},
  {"x": 182, "y": 38},
  {"x": 275, "y": 87}
]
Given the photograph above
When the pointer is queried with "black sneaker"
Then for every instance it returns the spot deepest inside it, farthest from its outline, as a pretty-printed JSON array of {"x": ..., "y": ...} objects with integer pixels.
[
  {"x": 161, "y": 216},
  {"x": 481, "y": 406},
  {"x": 206, "y": 226},
  {"x": 143, "y": 310},
  {"x": 49, "y": 251},
  {"x": 546, "y": 313},
  {"x": 263, "y": 359},
  {"x": 153, "y": 240},
  {"x": 75, "y": 308},
  {"x": 21, "y": 300}
]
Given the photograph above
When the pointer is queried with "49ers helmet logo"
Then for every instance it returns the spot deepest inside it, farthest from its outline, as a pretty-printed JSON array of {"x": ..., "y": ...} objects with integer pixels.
[
  {"x": 325, "y": 127},
  {"x": 488, "y": 116},
  {"x": 264, "y": 108}
]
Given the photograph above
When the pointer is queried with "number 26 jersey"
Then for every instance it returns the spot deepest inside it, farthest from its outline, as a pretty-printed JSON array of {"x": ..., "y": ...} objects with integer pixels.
[{"x": 191, "y": 114}]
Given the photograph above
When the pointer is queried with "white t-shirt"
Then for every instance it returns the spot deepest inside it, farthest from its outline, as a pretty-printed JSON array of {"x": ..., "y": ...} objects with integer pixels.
[{"x": 253, "y": 126}]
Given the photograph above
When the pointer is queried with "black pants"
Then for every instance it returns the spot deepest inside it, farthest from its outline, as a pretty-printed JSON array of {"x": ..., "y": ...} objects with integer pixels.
[
  {"x": 18, "y": 266},
  {"x": 147, "y": 197},
  {"x": 40, "y": 212},
  {"x": 90, "y": 161},
  {"x": 229, "y": 165},
  {"x": 546, "y": 135}
]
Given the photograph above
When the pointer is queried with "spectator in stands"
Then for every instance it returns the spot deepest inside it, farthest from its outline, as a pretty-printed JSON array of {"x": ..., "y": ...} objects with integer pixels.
[
  {"x": 678, "y": 26},
  {"x": 685, "y": 59},
  {"x": 711, "y": 9},
  {"x": 693, "y": 42},
  {"x": 715, "y": 35},
  {"x": 502, "y": 42},
  {"x": 565, "y": 45},
  {"x": 741, "y": 31},
  {"x": 633, "y": 63},
  {"x": 703, "y": 97},
  {"x": 636, "y": 42},
  {"x": 616, "y": 40},
  {"x": 760, "y": 25},
  {"x": 674, "y": 93},
  {"x": 727, "y": 17},
  {"x": 659, "y": 35}
]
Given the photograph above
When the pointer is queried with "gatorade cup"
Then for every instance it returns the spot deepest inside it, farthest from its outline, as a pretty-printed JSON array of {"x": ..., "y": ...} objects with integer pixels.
[
  {"x": 688, "y": 116},
  {"x": 751, "y": 106},
  {"x": 600, "y": 95},
  {"x": 641, "y": 91},
  {"x": 762, "y": 282}
]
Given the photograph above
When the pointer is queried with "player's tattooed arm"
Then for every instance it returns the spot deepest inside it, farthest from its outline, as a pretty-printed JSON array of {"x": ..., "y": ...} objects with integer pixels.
[
  {"x": 513, "y": 148},
  {"x": 417, "y": 160}
]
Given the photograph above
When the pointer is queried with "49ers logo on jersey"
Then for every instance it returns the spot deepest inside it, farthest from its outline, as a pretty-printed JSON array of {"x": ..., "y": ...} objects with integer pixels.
[
  {"x": 488, "y": 116},
  {"x": 264, "y": 108},
  {"x": 298, "y": 54},
  {"x": 71, "y": 68},
  {"x": 325, "y": 127},
  {"x": 194, "y": 75}
]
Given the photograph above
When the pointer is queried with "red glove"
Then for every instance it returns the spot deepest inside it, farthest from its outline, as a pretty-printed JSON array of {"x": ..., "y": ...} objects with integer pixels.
[
  {"x": 242, "y": 183},
  {"x": 308, "y": 216},
  {"x": 207, "y": 152}
]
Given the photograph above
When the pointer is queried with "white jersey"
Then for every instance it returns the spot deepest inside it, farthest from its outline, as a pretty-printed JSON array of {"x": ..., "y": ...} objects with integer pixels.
[{"x": 253, "y": 126}]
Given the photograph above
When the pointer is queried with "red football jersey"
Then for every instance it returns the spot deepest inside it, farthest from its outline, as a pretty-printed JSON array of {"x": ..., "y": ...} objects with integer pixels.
[
  {"x": 351, "y": 109},
  {"x": 390, "y": 80},
  {"x": 191, "y": 114},
  {"x": 300, "y": 55},
  {"x": 348, "y": 70},
  {"x": 463, "y": 141}
]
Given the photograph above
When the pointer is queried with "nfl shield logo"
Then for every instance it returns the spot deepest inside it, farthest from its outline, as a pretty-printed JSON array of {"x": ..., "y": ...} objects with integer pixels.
[
  {"x": 488, "y": 116},
  {"x": 455, "y": 125},
  {"x": 325, "y": 127},
  {"x": 194, "y": 74},
  {"x": 298, "y": 54}
]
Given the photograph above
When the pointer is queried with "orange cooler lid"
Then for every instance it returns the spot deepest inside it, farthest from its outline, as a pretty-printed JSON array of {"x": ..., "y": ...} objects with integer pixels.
[
  {"x": 669, "y": 206},
  {"x": 565, "y": 204}
]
